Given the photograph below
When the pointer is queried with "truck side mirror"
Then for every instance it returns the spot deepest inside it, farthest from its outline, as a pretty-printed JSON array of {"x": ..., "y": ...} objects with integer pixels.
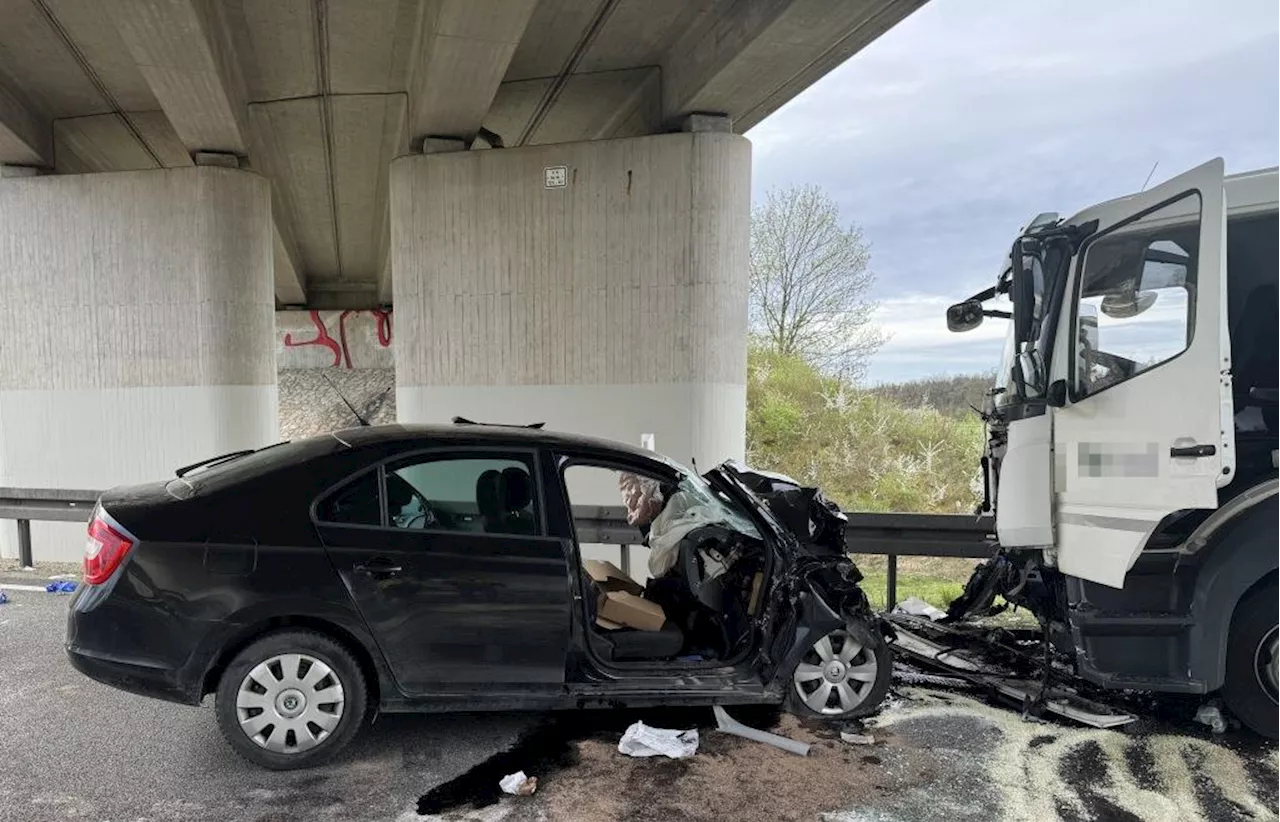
[
  {"x": 1056, "y": 395},
  {"x": 964, "y": 316}
]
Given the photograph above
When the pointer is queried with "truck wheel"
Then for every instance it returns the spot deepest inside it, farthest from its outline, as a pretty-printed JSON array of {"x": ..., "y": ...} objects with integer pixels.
[
  {"x": 843, "y": 675},
  {"x": 1250, "y": 686},
  {"x": 291, "y": 700}
]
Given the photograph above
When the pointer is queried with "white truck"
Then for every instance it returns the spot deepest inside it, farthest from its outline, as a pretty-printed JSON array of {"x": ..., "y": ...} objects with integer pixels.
[{"x": 1132, "y": 436}]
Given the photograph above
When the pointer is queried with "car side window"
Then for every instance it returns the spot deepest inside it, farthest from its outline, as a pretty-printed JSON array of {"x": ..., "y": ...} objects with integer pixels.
[
  {"x": 492, "y": 495},
  {"x": 356, "y": 503}
]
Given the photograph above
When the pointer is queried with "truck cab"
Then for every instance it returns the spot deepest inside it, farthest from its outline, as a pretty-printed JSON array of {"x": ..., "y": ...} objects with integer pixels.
[{"x": 1132, "y": 435}]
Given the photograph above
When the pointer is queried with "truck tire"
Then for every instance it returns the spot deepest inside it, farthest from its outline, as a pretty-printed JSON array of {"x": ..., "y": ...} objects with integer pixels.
[
  {"x": 291, "y": 699},
  {"x": 843, "y": 675},
  {"x": 1250, "y": 683}
]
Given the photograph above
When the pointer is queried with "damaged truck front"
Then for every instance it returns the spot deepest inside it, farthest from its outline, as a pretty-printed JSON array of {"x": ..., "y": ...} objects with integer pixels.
[{"x": 1132, "y": 435}]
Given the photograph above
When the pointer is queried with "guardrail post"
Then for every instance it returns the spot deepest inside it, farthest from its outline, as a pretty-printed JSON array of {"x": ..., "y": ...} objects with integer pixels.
[
  {"x": 891, "y": 583},
  {"x": 626, "y": 559},
  {"x": 24, "y": 544}
]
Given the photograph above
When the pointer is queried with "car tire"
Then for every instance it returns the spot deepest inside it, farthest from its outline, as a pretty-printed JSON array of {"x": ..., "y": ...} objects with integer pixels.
[
  {"x": 1249, "y": 687},
  {"x": 301, "y": 692},
  {"x": 867, "y": 672}
]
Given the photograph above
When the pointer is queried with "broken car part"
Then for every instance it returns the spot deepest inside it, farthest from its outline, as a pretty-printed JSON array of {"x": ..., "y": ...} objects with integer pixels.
[{"x": 729, "y": 725}]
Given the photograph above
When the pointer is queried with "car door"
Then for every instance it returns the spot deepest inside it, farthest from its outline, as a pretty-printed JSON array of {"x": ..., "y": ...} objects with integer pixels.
[
  {"x": 1146, "y": 431},
  {"x": 445, "y": 554}
]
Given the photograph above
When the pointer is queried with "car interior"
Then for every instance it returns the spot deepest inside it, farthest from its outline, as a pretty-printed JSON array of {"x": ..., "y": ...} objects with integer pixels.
[{"x": 710, "y": 597}]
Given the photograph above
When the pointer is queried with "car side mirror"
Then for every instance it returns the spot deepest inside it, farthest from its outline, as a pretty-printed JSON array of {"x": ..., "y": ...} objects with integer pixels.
[
  {"x": 1122, "y": 306},
  {"x": 1056, "y": 395},
  {"x": 964, "y": 316}
]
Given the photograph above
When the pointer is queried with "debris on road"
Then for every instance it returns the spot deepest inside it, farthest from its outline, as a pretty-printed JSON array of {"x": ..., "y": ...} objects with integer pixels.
[
  {"x": 3, "y": 597},
  {"x": 730, "y": 725},
  {"x": 857, "y": 739},
  {"x": 1211, "y": 715},
  {"x": 61, "y": 587},
  {"x": 517, "y": 784},
  {"x": 1010, "y": 662},
  {"x": 643, "y": 740},
  {"x": 918, "y": 607}
]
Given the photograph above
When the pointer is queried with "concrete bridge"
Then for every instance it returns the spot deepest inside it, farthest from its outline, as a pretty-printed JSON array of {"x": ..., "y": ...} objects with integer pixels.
[{"x": 554, "y": 194}]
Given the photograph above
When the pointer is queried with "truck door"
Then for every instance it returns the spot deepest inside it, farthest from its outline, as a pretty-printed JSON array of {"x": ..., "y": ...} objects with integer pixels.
[{"x": 1147, "y": 427}]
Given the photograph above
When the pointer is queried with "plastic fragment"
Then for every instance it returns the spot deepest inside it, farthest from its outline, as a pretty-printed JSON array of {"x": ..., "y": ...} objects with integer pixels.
[
  {"x": 730, "y": 725},
  {"x": 517, "y": 784},
  {"x": 918, "y": 607},
  {"x": 61, "y": 587},
  {"x": 857, "y": 739},
  {"x": 642, "y": 740},
  {"x": 3, "y": 597}
]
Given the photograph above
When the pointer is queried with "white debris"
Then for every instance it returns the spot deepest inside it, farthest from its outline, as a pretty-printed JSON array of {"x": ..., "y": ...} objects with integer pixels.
[
  {"x": 857, "y": 739},
  {"x": 1212, "y": 716},
  {"x": 517, "y": 784},
  {"x": 918, "y": 607},
  {"x": 643, "y": 740}
]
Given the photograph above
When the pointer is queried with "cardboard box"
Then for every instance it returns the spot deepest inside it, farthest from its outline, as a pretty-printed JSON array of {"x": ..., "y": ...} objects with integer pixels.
[
  {"x": 609, "y": 577},
  {"x": 618, "y": 600},
  {"x": 631, "y": 610}
]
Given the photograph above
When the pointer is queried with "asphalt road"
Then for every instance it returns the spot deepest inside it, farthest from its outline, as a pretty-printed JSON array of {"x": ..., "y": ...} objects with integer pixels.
[{"x": 73, "y": 749}]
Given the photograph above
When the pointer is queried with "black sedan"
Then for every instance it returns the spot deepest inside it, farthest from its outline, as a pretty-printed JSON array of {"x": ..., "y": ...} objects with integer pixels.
[{"x": 313, "y": 583}]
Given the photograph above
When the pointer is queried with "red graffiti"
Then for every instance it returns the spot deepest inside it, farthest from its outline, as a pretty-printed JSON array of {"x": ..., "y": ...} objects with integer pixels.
[
  {"x": 381, "y": 317},
  {"x": 341, "y": 355}
]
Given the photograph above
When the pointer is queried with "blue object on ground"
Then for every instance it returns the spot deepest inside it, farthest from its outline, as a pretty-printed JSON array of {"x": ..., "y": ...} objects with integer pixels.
[
  {"x": 3, "y": 597},
  {"x": 65, "y": 586}
]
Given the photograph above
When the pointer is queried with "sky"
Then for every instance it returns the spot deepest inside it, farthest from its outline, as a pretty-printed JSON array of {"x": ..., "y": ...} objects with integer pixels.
[{"x": 947, "y": 134}]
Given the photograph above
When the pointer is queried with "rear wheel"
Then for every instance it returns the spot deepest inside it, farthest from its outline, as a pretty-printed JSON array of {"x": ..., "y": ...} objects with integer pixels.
[
  {"x": 290, "y": 700},
  {"x": 1250, "y": 689},
  {"x": 843, "y": 675}
]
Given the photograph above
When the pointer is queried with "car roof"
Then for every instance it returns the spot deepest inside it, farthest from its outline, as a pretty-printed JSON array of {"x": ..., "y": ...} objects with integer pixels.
[{"x": 476, "y": 433}]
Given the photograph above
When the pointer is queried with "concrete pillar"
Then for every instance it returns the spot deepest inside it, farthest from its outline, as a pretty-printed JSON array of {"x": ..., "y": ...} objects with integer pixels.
[
  {"x": 600, "y": 287},
  {"x": 136, "y": 330}
]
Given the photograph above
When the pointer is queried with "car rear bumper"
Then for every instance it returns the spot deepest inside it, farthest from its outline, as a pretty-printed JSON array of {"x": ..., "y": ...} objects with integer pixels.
[{"x": 133, "y": 676}]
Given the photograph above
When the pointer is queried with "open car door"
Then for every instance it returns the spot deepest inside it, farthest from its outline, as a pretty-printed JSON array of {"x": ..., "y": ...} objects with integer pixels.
[{"x": 1147, "y": 429}]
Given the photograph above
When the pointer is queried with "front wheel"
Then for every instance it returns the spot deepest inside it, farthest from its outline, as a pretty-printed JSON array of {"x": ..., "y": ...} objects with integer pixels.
[
  {"x": 1250, "y": 688},
  {"x": 843, "y": 675},
  {"x": 291, "y": 700}
]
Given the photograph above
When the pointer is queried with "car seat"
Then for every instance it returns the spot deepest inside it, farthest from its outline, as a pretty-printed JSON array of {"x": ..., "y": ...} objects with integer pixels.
[
  {"x": 489, "y": 500},
  {"x": 515, "y": 495}
]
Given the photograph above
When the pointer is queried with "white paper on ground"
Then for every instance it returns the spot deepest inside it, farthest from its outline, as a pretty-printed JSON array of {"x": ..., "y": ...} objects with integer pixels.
[
  {"x": 642, "y": 740},
  {"x": 513, "y": 782}
]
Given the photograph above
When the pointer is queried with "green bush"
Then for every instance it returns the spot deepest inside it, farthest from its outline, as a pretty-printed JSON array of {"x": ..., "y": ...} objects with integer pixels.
[{"x": 867, "y": 451}]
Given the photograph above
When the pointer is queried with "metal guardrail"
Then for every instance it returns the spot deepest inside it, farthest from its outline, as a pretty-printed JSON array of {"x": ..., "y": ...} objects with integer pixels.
[
  {"x": 890, "y": 535},
  {"x": 43, "y": 504}
]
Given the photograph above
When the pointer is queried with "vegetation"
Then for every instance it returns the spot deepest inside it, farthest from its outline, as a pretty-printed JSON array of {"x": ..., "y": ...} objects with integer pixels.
[
  {"x": 867, "y": 451},
  {"x": 908, "y": 447},
  {"x": 809, "y": 283},
  {"x": 955, "y": 396}
]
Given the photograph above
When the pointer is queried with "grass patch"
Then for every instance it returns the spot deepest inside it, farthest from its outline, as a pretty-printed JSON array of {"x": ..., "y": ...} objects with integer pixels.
[{"x": 936, "y": 580}]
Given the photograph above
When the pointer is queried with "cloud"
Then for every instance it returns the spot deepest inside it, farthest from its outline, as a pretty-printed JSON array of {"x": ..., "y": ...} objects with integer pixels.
[{"x": 948, "y": 133}]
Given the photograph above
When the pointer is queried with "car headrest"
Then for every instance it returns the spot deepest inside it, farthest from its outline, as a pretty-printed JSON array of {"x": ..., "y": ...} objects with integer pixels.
[
  {"x": 516, "y": 488},
  {"x": 488, "y": 495}
]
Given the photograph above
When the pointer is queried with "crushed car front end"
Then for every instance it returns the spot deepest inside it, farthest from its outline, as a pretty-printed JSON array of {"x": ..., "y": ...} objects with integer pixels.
[{"x": 823, "y": 646}]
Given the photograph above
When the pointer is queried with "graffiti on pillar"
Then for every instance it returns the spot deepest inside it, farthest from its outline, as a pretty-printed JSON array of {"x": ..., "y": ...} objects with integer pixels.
[{"x": 335, "y": 339}]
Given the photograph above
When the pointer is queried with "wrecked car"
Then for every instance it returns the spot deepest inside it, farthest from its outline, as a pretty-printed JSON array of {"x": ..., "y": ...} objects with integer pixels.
[{"x": 313, "y": 584}]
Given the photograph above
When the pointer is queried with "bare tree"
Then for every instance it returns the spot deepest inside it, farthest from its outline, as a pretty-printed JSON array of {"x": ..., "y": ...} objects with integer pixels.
[{"x": 809, "y": 282}]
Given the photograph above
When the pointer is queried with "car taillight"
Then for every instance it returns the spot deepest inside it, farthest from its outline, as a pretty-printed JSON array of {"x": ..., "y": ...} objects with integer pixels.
[{"x": 104, "y": 551}]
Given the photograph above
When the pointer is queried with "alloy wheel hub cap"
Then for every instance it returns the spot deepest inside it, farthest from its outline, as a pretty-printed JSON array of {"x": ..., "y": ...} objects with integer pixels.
[
  {"x": 835, "y": 671},
  {"x": 290, "y": 703}
]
